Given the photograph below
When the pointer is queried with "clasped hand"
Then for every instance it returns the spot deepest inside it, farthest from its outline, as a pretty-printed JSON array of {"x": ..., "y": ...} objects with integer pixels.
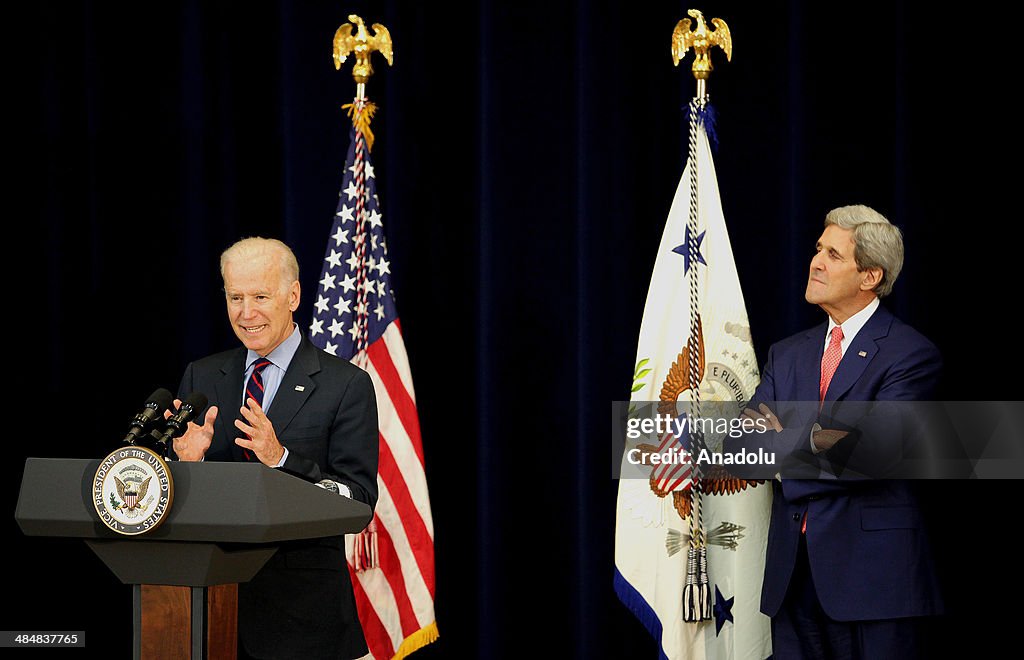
[{"x": 823, "y": 439}]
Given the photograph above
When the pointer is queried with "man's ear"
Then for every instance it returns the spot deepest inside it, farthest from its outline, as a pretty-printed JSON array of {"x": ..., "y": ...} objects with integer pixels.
[
  {"x": 870, "y": 278},
  {"x": 293, "y": 296}
]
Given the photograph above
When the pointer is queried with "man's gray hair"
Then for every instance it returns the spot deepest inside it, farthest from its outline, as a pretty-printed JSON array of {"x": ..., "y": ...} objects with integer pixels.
[
  {"x": 256, "y": 247},
  {"x": 878, "y": 242}
]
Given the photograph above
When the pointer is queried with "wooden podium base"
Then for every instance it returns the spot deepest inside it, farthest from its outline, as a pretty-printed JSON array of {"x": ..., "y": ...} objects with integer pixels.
[{"x": 185, "y": 622}]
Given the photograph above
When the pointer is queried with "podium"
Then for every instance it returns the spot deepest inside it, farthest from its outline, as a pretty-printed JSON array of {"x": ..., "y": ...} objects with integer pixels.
[{"x": 226, "y": 521}]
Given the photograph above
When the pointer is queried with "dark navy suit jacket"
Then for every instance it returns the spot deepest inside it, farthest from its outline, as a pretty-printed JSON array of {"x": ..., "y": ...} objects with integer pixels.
[
  {"x": 301, "y": 603},
  {"x": 866, "y": 543}
]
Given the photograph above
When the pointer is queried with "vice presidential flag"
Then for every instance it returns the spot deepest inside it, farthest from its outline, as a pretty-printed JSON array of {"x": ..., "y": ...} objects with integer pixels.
[
  {"x": 392, "y": 562},
  {"x": 652, "y": 515}
]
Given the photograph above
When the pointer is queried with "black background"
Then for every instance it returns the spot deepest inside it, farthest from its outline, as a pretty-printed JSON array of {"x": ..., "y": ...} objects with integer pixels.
[{"x": 527, "y": 154}]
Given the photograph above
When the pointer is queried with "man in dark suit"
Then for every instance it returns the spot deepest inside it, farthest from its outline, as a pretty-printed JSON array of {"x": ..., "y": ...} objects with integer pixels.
[
  {"x": 848, "y": 573},
  {"x": 295, "y": 408}
]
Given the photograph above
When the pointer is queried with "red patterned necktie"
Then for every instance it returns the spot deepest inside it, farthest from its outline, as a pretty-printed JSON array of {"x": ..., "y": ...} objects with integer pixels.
[
  {"x": 830, "y": 360},
  {"x": 254, "y": 390}
]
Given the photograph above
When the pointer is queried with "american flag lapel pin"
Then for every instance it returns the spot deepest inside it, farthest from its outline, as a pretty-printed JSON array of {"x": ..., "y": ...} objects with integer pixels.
[
  {"x": 300, "y": 388},
  {"x": 863, "y": 353}
]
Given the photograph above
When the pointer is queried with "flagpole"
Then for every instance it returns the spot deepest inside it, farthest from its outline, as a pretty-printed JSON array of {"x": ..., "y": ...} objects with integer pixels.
[
  {"x": 697, "y": 601},
  {"x": 401, "y": 530},
  {"x": 667, "y": 577}
]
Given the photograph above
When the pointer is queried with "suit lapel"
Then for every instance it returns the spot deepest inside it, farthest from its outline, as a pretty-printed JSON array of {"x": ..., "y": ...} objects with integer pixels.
[
  {"x": 859, "y": 354},
  {"x": 295, "y": 388},
  {"x": 808, "y": 370},
  {"x": 229, "y": 390}
]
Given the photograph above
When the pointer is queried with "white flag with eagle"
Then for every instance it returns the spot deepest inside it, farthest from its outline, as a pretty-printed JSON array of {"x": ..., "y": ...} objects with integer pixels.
[{"x": 653, "y": 527}]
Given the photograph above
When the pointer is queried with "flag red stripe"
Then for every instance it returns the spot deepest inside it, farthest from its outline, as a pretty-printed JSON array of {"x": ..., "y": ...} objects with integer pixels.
[
  {"x": 391, "y": 565},
  {"x": 415, "y": 530},
  {"x": 377, "y": 637},
  {"x": 661, "y": 472},
  {"x": 400, "y": 399},
  {"x": 670, "y": 471},
  {"x": 685, "y": 478}
]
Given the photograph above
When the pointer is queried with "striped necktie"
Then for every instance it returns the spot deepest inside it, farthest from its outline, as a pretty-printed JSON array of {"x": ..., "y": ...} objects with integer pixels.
[{"x": 254, "y": 390}]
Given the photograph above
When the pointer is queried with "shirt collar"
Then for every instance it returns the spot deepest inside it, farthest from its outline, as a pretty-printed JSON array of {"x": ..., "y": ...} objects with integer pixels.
[
  {"x": 281, "y": 356},
  {"x": 852, "y": 325}
]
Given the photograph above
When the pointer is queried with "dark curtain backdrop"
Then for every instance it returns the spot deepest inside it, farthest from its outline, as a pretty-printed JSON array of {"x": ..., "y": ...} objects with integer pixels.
[{"x": 527, "y": 154}]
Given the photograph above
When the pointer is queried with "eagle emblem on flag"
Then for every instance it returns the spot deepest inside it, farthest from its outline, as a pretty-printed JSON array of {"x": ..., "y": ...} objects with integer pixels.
[{"x": 676, "y": 479}]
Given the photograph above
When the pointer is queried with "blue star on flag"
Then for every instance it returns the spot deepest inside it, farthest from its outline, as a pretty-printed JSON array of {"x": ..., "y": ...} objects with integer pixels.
[
  {"x": 723, "y": 610},
  {"x": 685, "y": 250}
]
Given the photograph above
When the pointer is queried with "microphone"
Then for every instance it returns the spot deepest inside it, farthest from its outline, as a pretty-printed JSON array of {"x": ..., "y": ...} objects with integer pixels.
[
  {"x": 177, "y": 423},
  {"x": 156, "y": 404}
]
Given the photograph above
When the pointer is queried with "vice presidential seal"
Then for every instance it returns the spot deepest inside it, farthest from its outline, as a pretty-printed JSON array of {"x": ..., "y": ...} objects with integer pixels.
[{"x": 132, "y": 490}]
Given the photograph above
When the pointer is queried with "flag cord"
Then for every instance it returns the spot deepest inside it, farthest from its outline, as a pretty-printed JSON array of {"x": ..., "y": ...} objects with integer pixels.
[
  {"x": 361, "y": 112},
  {"x": 697, "y": 591},
  {"x": 366, "y": 555}
]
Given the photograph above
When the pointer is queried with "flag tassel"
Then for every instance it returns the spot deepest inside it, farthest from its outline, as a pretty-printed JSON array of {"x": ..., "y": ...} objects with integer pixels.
[
  {"x": 697, "y": 592},
  {"x": 364, "y": 552},
  {"x": 361, "y": 113}
]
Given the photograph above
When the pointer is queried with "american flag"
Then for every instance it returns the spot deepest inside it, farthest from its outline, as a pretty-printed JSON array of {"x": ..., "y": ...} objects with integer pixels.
[{"x": 392, "y": 562}]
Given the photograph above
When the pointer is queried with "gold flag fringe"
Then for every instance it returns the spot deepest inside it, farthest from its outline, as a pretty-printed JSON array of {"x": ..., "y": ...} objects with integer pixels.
[
  {"x": 361, "y": 116},
  {"x": 416, "y": 641}
]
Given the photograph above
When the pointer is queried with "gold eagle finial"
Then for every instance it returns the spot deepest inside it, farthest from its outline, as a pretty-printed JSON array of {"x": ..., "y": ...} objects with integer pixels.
[
  {"x": 362, "y": 44},
  {"x": 702, "y": 40}
]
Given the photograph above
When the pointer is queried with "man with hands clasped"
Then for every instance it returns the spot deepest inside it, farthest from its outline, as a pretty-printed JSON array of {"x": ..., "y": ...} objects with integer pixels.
[{"x": 848, "y": 572}]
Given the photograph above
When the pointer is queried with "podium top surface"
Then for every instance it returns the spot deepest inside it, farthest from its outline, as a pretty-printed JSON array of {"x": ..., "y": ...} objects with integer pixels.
[{"x": 213, "y": 502}]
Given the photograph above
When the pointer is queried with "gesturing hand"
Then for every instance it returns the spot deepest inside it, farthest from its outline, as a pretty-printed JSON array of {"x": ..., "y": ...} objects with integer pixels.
[
  {"x": 192, "y": 445},
  {"x": 262, "y": 439}
]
